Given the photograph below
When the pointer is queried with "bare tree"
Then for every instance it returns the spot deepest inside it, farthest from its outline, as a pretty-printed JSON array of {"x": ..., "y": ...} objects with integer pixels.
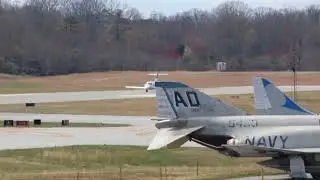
[{"x": 48, "y": 37}]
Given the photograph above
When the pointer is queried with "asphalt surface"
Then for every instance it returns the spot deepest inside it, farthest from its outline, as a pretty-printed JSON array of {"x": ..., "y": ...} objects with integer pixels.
[
  {"x": 24, "y": 138},
  {"x": 123, "y": 94},
  {"x": 141, "y": 131}
]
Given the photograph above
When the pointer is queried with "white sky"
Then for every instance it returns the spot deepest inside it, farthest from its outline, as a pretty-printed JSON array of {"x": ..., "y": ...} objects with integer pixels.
[{"x": 169, "y": 7}]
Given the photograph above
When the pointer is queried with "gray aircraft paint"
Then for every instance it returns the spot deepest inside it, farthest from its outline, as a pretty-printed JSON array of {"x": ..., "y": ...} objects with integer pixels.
[
  {"x": 267, "y": 141},
  {"x": 269, "y": 100},
  {"x": 246, "y": 136}
]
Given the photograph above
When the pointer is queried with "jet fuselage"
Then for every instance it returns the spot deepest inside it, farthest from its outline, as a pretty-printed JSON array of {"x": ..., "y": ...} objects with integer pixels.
[{"x": 278, "y": 131}]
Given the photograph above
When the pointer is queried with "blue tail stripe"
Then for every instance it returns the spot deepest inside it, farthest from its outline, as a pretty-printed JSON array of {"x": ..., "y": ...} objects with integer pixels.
[
  {"x": 265, "y": 82},
  {"x": 291, "y": 105}
]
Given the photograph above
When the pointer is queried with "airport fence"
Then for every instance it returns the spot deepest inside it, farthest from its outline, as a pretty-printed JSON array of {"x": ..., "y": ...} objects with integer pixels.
[
  {"x": 164, "y": 173},
  {"x": 160, "y": 172}
]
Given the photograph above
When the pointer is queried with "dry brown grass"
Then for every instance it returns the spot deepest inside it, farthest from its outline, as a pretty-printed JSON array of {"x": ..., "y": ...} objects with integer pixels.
[
  {"x": 132, "y": 107},
  {"x": 146, "y": 106},
  {"x": 117, "y": 80}
]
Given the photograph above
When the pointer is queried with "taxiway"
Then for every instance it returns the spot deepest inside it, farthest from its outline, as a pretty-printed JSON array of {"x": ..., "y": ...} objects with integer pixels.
[{"x": 123, "y": 94}]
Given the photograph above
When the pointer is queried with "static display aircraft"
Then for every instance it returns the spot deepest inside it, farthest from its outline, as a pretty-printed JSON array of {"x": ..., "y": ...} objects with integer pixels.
[
  {"x": 268, "y": 100},
  {"x": 149, "y": 85},
  {"x": 291, "y": 139}
]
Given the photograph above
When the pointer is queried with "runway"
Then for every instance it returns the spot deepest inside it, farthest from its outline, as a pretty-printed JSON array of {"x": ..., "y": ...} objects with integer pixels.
[
  {"x": 123, "y": 94},
  {"x": 24, "y": 138},
  {"x": 140, "y": 132}
]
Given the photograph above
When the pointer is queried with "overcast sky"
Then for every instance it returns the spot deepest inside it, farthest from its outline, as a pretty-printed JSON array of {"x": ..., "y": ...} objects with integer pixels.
[{"x": 169, "y": 7}]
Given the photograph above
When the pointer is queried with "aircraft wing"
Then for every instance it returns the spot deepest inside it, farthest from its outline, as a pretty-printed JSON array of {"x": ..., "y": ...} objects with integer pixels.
[
  {"x": 135, "y": 87},
  {"x": 289, "y": 151},
  {"x": 171, "y": 137},
  {"x": 270, "y": 150}
]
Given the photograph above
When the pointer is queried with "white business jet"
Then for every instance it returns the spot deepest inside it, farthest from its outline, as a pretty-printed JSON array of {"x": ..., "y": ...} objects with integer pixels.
[{"x": 149, "y": 85}]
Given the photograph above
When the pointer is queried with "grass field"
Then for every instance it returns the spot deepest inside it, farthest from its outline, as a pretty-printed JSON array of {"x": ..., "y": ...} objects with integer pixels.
[
  {"x": 104, "y": 162},
  {"x": 146, "y": 106},
  {"x": 118, "y": 80}
]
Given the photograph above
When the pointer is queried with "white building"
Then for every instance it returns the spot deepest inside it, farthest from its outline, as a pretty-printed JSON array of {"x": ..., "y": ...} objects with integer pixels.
[{"x": 221, "y": 66}]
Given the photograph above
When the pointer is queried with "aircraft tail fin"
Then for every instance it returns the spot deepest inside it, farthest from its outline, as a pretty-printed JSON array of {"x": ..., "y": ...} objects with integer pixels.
[
  {"x": 176, "y": 100},
  {"x": 270, "y": 100}
]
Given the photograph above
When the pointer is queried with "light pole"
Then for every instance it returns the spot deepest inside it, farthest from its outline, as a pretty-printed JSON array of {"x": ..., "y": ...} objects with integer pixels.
[{"x": 295, "y": 64}]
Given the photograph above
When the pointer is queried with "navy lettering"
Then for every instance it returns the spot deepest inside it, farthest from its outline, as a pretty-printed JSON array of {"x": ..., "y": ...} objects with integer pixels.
[
  {"x": 284, "y": 140},
  {"x": 250, "y": 142},
  {"x": 192, "y": 96},
  {"x": 272, "y": 142},
  {"x": 191, "y": 100},
  {"x": 178, "y": 99},
  {"x": 262, "y": 141}
]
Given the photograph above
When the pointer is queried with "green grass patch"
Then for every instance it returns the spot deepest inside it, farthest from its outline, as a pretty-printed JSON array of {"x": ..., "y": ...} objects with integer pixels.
[{"x": 104, "y": 162}]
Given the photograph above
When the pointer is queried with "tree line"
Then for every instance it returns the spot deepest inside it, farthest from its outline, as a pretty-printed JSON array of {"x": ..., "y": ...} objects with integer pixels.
[{"x": 50, "y": 37}]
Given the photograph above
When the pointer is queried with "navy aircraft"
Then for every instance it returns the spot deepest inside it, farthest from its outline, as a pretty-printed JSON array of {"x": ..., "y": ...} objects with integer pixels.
[
  {"x": 290, "y": 136},
  {"x": 268, "y": 100}
]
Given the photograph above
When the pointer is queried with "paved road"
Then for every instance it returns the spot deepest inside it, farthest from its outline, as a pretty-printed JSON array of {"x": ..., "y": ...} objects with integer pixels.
[
  {"x": 24, "y": 138},
  {"x": 123, "y": 94},
  {"x": 140, "y": 133}
]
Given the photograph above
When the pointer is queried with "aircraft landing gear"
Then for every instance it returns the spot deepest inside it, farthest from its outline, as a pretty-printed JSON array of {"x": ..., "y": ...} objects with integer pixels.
[{"x": 297, "y": 168}]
